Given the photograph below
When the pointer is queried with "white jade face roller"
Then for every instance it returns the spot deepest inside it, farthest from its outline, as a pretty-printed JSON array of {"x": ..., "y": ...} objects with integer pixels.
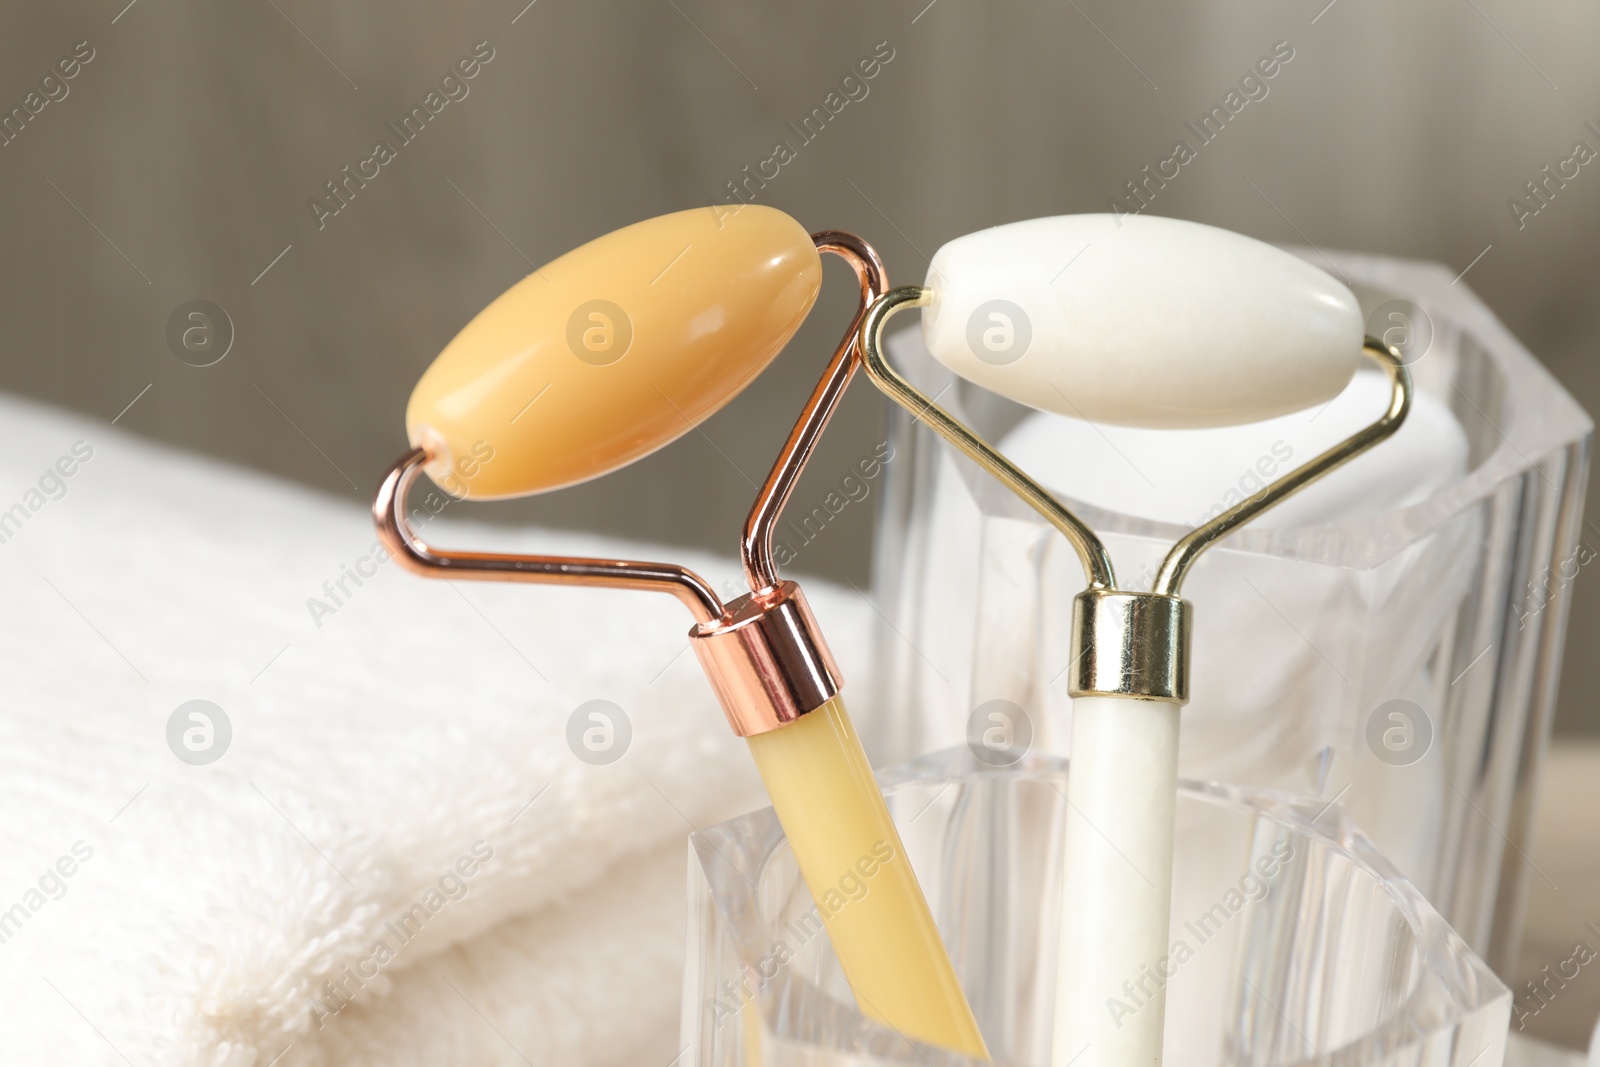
[{"x": 1140, "y": 321}]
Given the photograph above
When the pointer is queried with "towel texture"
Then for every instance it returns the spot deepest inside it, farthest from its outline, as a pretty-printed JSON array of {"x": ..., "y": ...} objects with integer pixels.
[{"x": 399, "y": 857}]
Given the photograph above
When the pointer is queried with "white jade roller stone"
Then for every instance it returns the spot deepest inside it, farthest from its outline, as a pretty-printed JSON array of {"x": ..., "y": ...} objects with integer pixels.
[{"x": 1140, "y": 321}]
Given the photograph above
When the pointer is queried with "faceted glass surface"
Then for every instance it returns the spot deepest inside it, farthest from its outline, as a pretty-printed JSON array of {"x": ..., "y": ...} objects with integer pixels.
[
  {"x": 1308, "y": 638},
  {"x": 1333, "y": 958}
]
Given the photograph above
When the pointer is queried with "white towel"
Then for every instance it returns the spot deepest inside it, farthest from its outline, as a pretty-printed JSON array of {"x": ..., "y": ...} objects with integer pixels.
[{"x": 399, "y": 750}]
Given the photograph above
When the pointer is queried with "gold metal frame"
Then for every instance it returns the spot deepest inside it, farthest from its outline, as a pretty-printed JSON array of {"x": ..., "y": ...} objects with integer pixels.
[
  {"x": 763, "y": 651},
  {"x": 1125, "y": 642}
]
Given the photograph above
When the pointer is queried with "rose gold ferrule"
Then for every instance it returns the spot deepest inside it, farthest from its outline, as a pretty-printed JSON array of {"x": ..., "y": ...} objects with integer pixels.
[{"x": 767, "y": 660}]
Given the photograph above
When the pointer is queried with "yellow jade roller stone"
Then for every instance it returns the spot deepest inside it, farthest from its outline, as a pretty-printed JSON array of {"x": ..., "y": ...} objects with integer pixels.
[
  {"x": 613, "y": 350},
  {"x": 860, "y": 878}
]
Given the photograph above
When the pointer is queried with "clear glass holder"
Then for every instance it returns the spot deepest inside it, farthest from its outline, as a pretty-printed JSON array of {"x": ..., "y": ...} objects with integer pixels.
[
  {"x": 1300, "y": 943},
  {"x": 1310, "y": 636}
]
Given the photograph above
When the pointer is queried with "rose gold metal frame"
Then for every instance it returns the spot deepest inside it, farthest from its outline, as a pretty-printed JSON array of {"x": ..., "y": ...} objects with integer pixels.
[
  {"x": 763, "y": 651},
  {"x": 417, "y": 556},
  {"x": 755, "y": 549}
]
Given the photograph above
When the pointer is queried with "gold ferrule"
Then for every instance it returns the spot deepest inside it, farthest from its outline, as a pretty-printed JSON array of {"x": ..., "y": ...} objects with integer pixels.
[
  {"x": 1130, "y": 645},
  {"x": 767, "y": 660}
]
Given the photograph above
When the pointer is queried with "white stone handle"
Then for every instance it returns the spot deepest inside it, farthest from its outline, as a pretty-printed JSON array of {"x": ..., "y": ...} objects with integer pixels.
[
  {"x": 1116, "y": 883},
  {"x": 1141, "y": 321}
]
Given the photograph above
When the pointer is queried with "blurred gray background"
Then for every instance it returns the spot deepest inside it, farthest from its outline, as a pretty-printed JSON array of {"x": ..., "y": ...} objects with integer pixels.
[{"x": 179, "y": 165}]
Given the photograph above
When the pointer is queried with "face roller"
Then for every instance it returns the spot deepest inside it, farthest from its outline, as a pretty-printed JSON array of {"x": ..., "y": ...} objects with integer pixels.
[
  {"x": 605, "y": 355},
  {"x": 1157, "y": 323}
]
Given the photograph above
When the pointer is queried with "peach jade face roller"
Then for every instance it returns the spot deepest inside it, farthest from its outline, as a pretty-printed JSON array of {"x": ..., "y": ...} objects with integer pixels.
[
  {"x": 1158, "y": 323},
  {"x": 637, "y": 337}
]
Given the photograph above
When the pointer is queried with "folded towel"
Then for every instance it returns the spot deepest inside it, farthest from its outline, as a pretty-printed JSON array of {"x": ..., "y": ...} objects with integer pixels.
[
  {"x": 395, "y": 771},
  {"x": 594, "y": 981}
]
